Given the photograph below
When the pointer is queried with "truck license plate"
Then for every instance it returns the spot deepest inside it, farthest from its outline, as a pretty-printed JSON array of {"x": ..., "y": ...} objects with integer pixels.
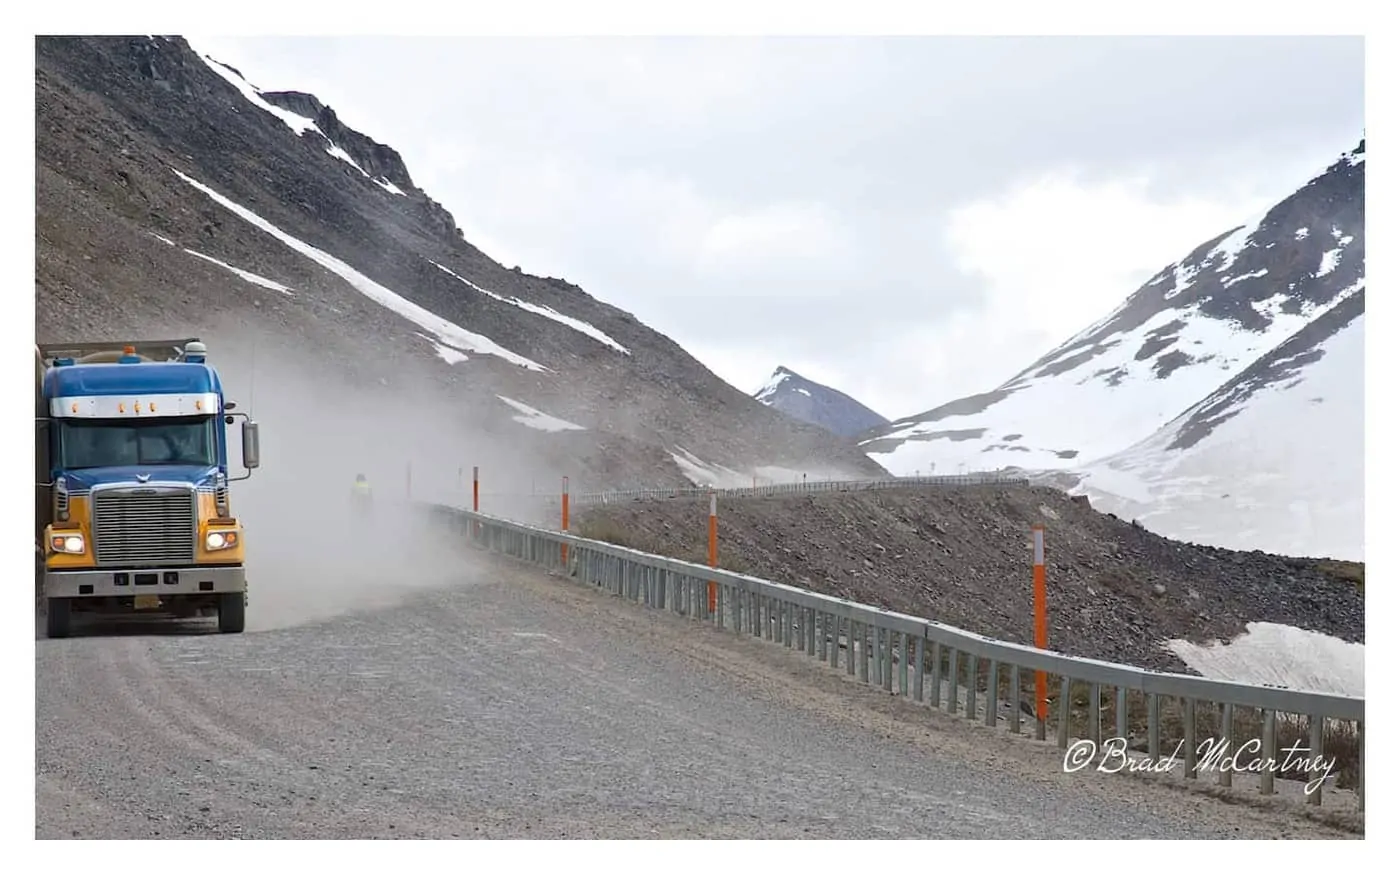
[{"x": 147, "y": 602}]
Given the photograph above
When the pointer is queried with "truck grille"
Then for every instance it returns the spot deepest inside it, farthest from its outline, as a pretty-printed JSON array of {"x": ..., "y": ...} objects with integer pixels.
[{"x": 147, "y": 528}]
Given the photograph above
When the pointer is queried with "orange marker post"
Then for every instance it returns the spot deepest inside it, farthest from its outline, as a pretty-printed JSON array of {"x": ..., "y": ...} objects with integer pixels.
[
  {"x": 564, "y": 512},
  {"x": 1042, "y": 631},
  {"x": 714, "y": 555},
  {"x": 476, "y": 501}
]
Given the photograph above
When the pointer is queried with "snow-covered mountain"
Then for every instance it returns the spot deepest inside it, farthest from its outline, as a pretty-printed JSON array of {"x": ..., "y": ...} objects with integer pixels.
[
  {"x": 821, "y": 405},
  {"x": 1195, "y": 326},
  {"x": 1273, "y": 460}
]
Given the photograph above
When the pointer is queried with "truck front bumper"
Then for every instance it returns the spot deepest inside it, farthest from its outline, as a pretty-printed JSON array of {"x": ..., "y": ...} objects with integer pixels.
[{"x": 100, "y": 583}]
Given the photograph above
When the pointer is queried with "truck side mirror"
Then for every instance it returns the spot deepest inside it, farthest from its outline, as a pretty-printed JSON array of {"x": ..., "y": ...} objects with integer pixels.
[{"x": 250, "y": 444}]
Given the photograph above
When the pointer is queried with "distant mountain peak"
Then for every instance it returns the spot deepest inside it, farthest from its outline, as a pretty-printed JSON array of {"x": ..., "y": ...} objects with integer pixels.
[{"x": 809, "y": 401}]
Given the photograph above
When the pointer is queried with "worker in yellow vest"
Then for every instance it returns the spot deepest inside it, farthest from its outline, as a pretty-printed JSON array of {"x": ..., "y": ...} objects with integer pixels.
[{"x": 360, "y": 494}]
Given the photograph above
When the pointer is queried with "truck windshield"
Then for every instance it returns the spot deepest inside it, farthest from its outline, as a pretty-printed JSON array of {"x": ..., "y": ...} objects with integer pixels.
[{"x": 102, "y": 443}]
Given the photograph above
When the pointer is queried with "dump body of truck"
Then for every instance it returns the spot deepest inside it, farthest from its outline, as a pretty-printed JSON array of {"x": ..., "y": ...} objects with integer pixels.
[{"x": 132, "y": 499}]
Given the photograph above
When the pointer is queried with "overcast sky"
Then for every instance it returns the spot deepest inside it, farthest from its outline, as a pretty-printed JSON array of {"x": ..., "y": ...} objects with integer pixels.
[{"x": 907, "y": 219}]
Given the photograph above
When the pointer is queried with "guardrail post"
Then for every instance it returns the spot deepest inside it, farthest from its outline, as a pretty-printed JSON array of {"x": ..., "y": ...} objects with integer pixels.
[
  {"x": 1189, "y": 767},
  {"x": 1361, "y": 765},
  {"x": 1269, "y": 743},
  {"x": 919, "y": 644},
  {"x": 902, "y": 648},
  {"x": 993, "y": 694},
  {"x": 935, "y": 652},
  {"x": 1154, "y": 727},
  {"x": 864, "y": 644},
  {"x": 1062, "y": 731},
  {"x": 1096, "y": 715},
  {"x": 1315, "y": 757},
  {"x": 1013, "y": 685},
  {"x": 1227, "y": 727},
  {"x": 952, "y": 680},
  {"x": 970, "y": 701},
  {"x": 887, "y": 659}
]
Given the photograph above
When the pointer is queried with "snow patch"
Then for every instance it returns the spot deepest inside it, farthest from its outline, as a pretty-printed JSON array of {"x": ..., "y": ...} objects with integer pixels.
[
  {"x": 447, "y": 332},
  {"x": 767, "y": 390},
  {"x": 1230, "y": 248},
  {"x": 804, "y": 392},
  {"x": 547, "y": 312},
  {"x": 299, "y": 124},
  {"x": 245, "y": 274},
  {"x": 1182, "y": 275},
  {"x": 1330, "y": 259},
  {"x": 1263, "y": 271},
  {"x": 538, "y": 420},
  {"x": 166, "y": 240},
  {"x": 1254, "y": 481},
  {"x": 446, "y": 353},
  {"x": 1274, "y": 654},
  {"x": 702, "y": 473},
  {"x": 1300, "y": 234}
]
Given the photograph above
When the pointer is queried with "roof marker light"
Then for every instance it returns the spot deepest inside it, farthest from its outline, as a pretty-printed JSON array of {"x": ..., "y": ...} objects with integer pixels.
[
  {"x": 198, "y": 404},
  {"x": 121, "y": 408},
  {"x": 75, "y": 407}
]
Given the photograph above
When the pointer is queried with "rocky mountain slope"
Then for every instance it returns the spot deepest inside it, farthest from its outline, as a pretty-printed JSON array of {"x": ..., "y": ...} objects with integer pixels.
[
  {"x": 1192, "y": 328},
  {"x": 812, "y": 402},
  {"x": 962, "y": 556},
  {"x": 174, "y": 198}
]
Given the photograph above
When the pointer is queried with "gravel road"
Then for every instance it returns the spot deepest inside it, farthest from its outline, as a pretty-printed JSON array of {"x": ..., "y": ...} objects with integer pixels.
[{"x": 510, "y": 704}]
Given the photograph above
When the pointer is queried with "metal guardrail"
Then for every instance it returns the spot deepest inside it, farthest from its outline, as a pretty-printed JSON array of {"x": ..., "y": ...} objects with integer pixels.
[
  {"x": 930, "y": 662},
  {"x": 800, "y": 487}
]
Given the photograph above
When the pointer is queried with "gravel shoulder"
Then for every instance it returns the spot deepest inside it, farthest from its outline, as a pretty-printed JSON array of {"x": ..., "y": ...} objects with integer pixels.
[{"x": 509, "y": 704}]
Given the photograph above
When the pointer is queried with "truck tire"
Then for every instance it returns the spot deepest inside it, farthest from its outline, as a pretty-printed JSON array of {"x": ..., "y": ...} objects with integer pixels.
[
  {"x": 232, "y": 608},
  {"x": 59, "y": 614}
]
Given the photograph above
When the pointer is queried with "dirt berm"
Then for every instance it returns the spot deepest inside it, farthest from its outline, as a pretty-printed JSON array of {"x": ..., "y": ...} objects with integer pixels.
[{"x": 962, "y": 556}]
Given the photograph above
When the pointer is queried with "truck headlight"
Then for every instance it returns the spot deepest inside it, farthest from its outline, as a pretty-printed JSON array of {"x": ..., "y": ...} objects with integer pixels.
[
  {"x": 220, "y": 540},
  {"x": 71, "y": 544}
]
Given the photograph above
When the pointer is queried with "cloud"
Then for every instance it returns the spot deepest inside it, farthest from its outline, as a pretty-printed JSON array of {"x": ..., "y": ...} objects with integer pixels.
[
  {"x": 919, "y": 217},
  {"x": 774, "y": 237}
]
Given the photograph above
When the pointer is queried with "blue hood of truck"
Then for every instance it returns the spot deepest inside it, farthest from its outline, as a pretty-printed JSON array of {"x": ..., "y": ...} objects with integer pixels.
[{"x": 84, "y": 479}]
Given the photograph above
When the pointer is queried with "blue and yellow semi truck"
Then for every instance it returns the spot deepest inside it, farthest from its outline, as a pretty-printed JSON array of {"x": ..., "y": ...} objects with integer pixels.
[{"x": 132, "y": 484}]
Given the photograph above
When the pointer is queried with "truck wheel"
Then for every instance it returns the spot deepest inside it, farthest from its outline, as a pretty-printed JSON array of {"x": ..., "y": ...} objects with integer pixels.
[
  {"x": 60, "y": 615},
  {"x": 232, "y": 607}
]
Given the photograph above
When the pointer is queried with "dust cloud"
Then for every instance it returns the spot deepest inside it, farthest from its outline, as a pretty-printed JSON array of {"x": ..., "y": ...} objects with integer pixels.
[{"x": 310, "y": 556}]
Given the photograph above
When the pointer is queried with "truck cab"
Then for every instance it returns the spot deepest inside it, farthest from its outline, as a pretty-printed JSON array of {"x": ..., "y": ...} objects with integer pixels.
[{"x": 133, "y": 506}]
